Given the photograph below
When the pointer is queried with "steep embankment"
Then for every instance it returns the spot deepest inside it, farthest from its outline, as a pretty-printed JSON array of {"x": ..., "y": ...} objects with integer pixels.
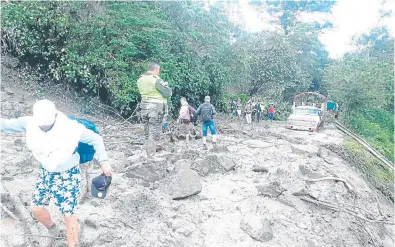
[{"x": 262, "y": 187}]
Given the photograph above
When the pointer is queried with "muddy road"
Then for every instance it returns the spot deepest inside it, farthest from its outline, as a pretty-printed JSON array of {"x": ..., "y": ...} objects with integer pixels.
[{"x": 264, "y": 186}]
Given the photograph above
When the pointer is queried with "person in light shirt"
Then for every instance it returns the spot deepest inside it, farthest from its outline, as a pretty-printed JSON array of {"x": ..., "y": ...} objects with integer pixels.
[{"x": 52, "y": 137}]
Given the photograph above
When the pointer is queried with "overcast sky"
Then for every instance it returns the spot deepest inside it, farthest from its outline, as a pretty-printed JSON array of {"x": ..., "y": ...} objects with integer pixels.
[{"x": 349, "y": 17}]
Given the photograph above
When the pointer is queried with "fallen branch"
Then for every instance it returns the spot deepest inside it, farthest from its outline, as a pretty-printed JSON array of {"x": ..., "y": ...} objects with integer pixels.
[
  {"x": 369, "y": 233},
  {"x": 135, "y": 109},
  {"x": 108, "y": 109},
  {"x": 43, "y": 236},
  {"x": 9, "y": 213},
  {"x": 345, "y": 210},
  {"x": 24, "y": 215},
  {"x": 131, "y": 142},
  {"x": 348, "y": 186},
  {"x": 275, "y": 145}
]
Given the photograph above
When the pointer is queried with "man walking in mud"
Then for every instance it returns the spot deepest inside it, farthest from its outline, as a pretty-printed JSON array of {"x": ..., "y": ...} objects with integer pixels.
[
  {"x": 206, "y": 111},
  {"x": 154, "y": 94},
  {"x": 53, "y": 138}
]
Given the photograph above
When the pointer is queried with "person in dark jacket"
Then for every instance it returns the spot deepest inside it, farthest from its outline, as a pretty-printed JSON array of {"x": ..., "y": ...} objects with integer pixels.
[
  {"x": 258, "y": 111},
  {"x": 206, "y": 111}
]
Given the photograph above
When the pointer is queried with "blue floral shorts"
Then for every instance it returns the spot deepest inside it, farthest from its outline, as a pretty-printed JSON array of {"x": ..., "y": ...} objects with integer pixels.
[{"x": 61, "y": 188}]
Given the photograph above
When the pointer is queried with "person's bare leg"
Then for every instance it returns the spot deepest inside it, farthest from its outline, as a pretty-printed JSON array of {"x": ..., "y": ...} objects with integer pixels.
[
  {"x": 42, "y": 215},
  {"x": 72, "y": 230}
]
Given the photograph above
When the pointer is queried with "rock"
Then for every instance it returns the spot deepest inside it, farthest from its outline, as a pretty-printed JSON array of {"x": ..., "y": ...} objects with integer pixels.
[
  {"x": 323, "y": 152},
  {"x": 174, "y": 158},
  {"x": 94, "y": 203},
  {"x": 222, "y": 163},
  {"x": 308, "y": 172},
  {"x": 300, "y": 151},
  {"x": 227, "y": 163},
  {"x": 149, "y": 172},
  {"x": 90, "y": 223},
  {"x": 18, "y": 142},
  {"x": 390, "y": 187},
  {"x": 185, "y": 183},
  {"x": 300, "y": 192},
  {"x": 203, "y": 167},
  {"x": 181, "y": 137},
  {"x": 273, "y": 189},
  {"x": 220, "y": 149},
  {"x": 258, "y": 168},
  {"x": 135, "y": 159},
  {"x": 257, "y": 228},
  {"x": 256, "y": 143},
  {"x": 213, "y": 164},
  {"x": 144, "y": 183}
]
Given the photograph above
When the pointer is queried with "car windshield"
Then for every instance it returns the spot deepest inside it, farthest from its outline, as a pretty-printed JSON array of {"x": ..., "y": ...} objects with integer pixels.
[{"x": 305, "y": 111}]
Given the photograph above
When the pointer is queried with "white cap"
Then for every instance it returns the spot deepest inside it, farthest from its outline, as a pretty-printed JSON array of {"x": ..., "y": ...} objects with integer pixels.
[
  {"x": 207, "y": 98},
  {"x": 44, "y": 112}
]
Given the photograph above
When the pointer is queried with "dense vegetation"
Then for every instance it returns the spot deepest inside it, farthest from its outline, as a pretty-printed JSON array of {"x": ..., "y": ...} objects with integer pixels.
[
  {"x": 101, "y": 48},
  {"x": 363, "y": 84}
]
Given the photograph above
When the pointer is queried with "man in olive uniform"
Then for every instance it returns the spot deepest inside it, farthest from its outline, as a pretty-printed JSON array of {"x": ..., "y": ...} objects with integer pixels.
[{"x": 154, "y": 93}]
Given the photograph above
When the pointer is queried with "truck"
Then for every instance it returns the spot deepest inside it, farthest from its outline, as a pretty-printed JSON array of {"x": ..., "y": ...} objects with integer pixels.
[{"x": 308, "y": 111}]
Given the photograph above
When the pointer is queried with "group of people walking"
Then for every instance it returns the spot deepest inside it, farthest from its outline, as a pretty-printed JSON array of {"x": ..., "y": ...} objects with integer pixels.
[
  {"x": 251, "y": 110},
  {"x": 154, "y": 111}
]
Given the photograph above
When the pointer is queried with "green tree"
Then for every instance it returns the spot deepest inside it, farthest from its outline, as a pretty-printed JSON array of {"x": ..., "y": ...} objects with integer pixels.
[{"x": 267, "y": 64}]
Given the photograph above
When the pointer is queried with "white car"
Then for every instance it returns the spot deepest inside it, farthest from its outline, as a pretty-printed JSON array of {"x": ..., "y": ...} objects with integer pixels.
[{"x": 304, "y": 118}]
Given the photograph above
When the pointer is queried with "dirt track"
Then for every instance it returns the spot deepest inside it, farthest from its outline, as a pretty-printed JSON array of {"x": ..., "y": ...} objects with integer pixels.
[{"x": 140, "y": 212}]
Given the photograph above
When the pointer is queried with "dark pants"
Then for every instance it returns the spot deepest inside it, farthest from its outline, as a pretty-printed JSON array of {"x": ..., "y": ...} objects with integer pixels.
[{"x": 258, "y": 116}]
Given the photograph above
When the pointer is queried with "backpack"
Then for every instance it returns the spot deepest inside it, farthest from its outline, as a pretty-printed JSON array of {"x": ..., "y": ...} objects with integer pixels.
[
  {"x": 206, "y": 113},
  {"x": 186, "y": 116},
  {"x": 85, "y": 151}
]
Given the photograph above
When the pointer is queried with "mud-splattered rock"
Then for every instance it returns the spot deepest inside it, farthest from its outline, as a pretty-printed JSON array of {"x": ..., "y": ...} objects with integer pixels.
[
  {"x": 227, "y": 164},
  {"x": 323, "y": 152},
  {"x": 257, "y": 228},
  {"x": 256, "y": 143},
  {"x": 185, "y": 183},
  {"x": 259, "y": 168},
  {"x": 150, "y": 172},
  {"x": 223, "y": 163},
  {"x": 220, "y": 149},
  {"x": 18, "y": 142},
  {"x": 203, "y": 166},
  {"x": 308, "y": 172},
  {"x": 273, "y": 189}
]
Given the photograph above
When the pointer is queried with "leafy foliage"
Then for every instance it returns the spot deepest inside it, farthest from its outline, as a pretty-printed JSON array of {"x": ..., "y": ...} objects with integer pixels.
[
  {"x": 267, "y": 64},
  {"x": 364, "y": 89},
  {"x": 103, "y": 47},
  {"x": 36, "y": 32},
  {"x": 357, "y": 83}
]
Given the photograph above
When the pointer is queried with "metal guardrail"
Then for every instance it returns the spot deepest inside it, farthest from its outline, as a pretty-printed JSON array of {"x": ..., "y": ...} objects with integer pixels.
[{"x": 373, "y": 151}]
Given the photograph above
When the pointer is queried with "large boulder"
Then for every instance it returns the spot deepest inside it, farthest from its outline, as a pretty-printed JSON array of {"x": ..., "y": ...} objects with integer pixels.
[
  {"x": 185, "y": 182},
  {"x": 213, "y": 164},
  {"x": 257, "y": 228},
  {"x": 149, "y": 172},
  {"x": 204, "y": 167},
  {"x": 224, "y": 163}
]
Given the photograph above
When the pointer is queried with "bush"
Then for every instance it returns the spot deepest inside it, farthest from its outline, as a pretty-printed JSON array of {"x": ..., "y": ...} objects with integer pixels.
[
  {"x": 101, "y": 48},
  {"x": 376, "y": 126}
]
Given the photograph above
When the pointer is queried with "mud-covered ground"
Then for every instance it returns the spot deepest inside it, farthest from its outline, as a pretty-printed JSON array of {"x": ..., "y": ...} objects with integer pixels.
[{"x": 261, "y": 187}]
